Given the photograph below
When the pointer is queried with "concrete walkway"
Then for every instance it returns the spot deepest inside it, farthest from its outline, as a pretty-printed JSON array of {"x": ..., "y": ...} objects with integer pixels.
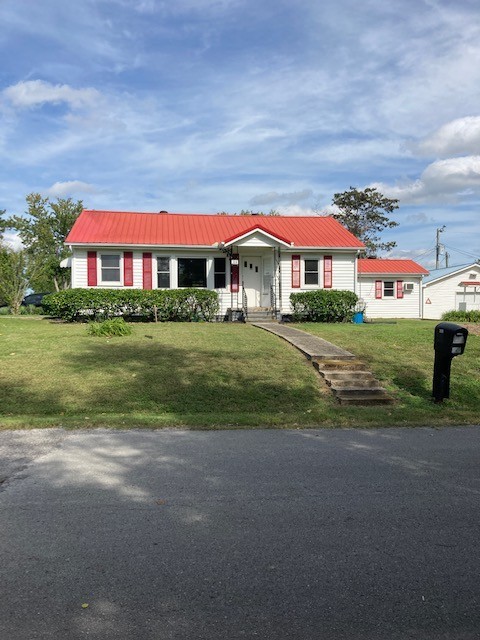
[{"x": 311, "y": 346}]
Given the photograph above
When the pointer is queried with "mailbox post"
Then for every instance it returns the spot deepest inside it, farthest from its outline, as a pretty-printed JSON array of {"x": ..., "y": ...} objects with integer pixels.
[{"x": 450, "y": 340}]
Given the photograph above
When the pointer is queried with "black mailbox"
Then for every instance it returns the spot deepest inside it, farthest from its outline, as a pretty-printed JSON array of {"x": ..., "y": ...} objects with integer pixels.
[{"x": 450, "y": 340}]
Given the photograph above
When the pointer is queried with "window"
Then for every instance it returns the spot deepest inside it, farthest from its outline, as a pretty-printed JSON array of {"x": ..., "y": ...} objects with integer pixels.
[
  {"x": 219, "y": 273},
  {"x": 110, "y": 267},
  {"x": 311, "y": 271},
  {"x": 192, "y": 272},
  {"x": 388, "y": 289},
  {"x": 163, "y": 273}
]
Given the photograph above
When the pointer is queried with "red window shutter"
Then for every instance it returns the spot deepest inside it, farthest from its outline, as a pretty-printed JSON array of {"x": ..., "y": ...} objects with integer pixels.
[
  {"x": 234, "y": 273},
  {"x": 399, "y": 288},
  {"x": 295, "y": 272},
  {"x": 128, "y": 269},
  {"x": 327, "y": 272},
  {"x": 147, "y": 270},
  {"x": 378, "y": 289},
  {"x": 92, "y": 268}
]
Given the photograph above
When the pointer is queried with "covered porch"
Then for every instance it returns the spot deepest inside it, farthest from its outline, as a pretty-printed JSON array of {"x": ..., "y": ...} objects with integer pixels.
[{"x": 256, "y": 287}]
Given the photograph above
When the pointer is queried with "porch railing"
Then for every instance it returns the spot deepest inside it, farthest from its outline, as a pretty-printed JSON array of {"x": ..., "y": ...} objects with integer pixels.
[
  {"x": 273, "y": 301},
  {"x": 244, "y": 302}
]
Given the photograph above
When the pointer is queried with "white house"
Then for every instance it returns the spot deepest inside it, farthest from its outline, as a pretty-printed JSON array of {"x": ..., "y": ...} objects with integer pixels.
[
  {"x": 252, "y": 262},
  {"x": 390, "y": 288},
  {"x": 452, "y": 288}
]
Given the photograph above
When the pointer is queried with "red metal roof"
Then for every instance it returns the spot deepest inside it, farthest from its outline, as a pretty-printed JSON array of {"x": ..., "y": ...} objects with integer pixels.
[
  {"x": 182, "y": 229},
  {"x": 470, "y": 283},
  {"x": 384, "y": 265}
]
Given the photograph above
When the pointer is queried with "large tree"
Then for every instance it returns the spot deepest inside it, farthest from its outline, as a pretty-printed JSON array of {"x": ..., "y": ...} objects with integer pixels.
[
  {"x": 43, "y": 234},
  {"x": 14, "y": 278},
  {"x": 364, "y": 213}
]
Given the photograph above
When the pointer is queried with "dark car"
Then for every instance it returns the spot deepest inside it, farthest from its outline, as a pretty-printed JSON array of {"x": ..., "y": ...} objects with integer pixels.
[{"x": 34, "y": 298}]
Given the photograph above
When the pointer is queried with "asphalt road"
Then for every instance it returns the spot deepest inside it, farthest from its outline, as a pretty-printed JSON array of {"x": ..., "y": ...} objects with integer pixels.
[{"x": 240, "y": 534}]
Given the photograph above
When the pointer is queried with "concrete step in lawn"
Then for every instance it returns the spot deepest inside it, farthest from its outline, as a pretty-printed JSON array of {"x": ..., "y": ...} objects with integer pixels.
[{"x": 351, "y": 383}]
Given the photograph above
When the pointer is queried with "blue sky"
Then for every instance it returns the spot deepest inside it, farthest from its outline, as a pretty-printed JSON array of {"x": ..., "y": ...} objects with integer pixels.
[{"x": 201, "y": 106}]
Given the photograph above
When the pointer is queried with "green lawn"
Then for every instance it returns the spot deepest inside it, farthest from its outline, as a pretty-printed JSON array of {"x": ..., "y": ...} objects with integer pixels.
[{"x": 217, "y": 375}]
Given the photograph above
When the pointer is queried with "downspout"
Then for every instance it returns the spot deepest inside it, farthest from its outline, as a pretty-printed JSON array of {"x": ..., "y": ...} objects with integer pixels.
[{"x": 355, "y": 272}]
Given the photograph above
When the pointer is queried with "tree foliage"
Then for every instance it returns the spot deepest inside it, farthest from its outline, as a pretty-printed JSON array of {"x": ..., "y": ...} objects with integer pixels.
[
  {"x": 14, "y": 279},
  {"x": 3, "y": 224},
  {"x": 43, "y": 235},
  {"x": 364, "y": 213}
]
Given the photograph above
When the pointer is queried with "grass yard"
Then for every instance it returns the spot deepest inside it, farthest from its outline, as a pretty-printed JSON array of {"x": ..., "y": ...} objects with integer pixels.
[{"x": 217, "y": 376}]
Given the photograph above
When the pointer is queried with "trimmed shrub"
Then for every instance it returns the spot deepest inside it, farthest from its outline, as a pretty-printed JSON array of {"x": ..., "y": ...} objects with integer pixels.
[
  {"x": 174, "y": 305},
  {"x": 462, "y": 316},
  {"x": 109, "y": 328},
  {"x": 323, "y": 305}
]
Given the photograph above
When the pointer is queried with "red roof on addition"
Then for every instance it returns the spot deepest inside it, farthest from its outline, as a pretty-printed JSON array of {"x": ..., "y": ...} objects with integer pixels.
[
  {"x": 182, "y": 229},
  {"x": 384, "y": 265}
]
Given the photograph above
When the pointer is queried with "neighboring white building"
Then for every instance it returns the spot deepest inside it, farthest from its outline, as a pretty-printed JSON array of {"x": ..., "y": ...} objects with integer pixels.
[
  {"x": 390, "y": 288},
  {"x": 452, "y": 288},
  {"x": 252, "y": 262}
]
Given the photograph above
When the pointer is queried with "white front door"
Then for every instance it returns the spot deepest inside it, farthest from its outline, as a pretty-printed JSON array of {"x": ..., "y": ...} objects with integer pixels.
[{"x": 252, "y": 279}]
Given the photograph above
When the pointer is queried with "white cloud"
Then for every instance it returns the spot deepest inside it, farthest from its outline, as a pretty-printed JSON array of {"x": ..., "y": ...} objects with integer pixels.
[
  {"x": 12, "y": 239},
  {"x": 273, "y": 197},
  {"x": 37, "y": 92},
  {"x": 296, "y": 210},
  {"x": 449, "y": 179},
  {"x": 461, "y": 136},
  {"x": 69, "y": 188}
]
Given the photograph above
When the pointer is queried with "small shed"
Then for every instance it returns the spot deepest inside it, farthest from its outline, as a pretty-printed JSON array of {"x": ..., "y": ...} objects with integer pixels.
[
  {"x": 390, "y": 288},
  {"x": 451, "y": 289}
]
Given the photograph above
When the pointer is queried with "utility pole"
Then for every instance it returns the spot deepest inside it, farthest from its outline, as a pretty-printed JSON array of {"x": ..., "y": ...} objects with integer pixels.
[
  {"x": 447, "y": 258},
  {"x": 438, "y": 247}
]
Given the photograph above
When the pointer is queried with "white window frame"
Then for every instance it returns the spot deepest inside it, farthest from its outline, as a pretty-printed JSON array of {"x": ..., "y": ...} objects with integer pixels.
[
  {"x": 393, "y": 289},
  {"x": 227, "y": 262},
  {"x": 110, "y": 283},
  {"x": 169, "y": 271},
  {"x": 303, "y": 271}
]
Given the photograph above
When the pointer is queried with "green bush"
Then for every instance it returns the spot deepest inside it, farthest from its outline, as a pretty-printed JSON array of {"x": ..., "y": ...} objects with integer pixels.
[
  {"x": 323, "y": 305},
  {"x": 30, "y": 310},
  {"x": 174, "y": 305},
  {"x": 5, "y": 311},
  {"x": 109, "y": 328},
  {"x": 462, "y": 316}
]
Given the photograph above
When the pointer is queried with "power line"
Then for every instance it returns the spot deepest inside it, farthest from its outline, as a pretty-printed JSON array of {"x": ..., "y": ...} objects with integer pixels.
[{"x": 465, "y": 253}]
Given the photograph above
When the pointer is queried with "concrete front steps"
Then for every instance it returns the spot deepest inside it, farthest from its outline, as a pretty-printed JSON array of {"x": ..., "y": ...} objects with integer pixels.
[
  {"x": 351, "y": 383},
  {"x": 260, "y": 314}
]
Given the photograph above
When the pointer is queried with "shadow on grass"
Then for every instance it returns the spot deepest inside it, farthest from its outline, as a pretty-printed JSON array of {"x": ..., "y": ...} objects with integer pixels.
[{"x": 150, "y": 377}]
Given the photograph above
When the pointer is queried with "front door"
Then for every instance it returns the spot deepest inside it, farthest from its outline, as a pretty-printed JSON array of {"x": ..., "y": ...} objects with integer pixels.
[{"x": 252, "y": 279}]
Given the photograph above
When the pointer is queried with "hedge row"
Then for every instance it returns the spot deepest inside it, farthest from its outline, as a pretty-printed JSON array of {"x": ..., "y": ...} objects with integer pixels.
[
  {"x": 324, "y": 305},
  {"x": 175, "y": 305},
  {"x": 462, "y": 316}
]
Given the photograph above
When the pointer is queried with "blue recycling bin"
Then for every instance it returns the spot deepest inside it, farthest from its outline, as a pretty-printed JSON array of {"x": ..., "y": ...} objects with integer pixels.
[{"x": 358, "y": 317}]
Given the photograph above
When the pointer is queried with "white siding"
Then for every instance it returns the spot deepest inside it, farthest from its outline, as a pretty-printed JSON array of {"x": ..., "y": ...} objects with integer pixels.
[
  {"x": 445, "y": 294},
  {"x": 79, "y": 268},
  {"x": 406, "y": 307},
  {"x": 343, "y": 273},
  {"x": 256, "y": 240},
  {"x": 80, "y": 273}
]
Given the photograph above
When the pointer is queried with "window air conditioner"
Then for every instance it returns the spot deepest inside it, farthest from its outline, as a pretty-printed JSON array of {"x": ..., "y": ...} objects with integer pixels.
[{"x": 408, "y": 286}]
